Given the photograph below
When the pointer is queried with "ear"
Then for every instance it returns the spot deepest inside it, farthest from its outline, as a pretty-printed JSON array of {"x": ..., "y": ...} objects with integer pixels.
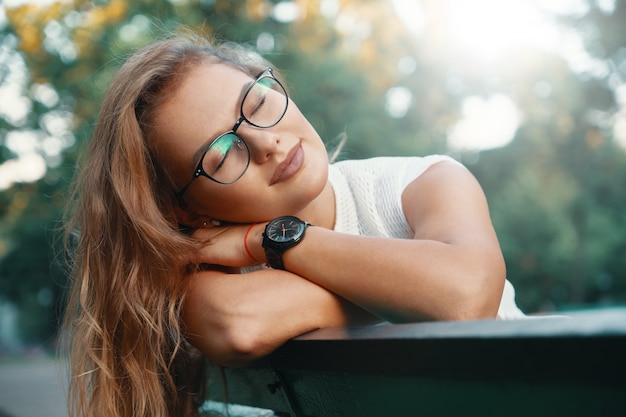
[{"x": 189, "y": 219}]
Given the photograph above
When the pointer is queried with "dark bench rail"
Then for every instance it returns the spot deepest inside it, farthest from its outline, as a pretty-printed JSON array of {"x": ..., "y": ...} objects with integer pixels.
[{"x": 545, "y": 366}]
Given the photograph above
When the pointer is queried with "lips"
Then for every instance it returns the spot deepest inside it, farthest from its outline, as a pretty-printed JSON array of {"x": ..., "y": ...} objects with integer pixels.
[{"x": 289, "y": 166}]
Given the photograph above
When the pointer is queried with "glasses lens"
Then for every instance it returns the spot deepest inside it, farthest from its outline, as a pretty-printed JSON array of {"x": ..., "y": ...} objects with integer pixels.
[
  {"x": 265, "y": 103},
  {"x": 226, "y": 159}
]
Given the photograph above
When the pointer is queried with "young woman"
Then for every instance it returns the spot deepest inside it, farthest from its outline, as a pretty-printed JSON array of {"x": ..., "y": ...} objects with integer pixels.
[{"x": 178, "y": 232}]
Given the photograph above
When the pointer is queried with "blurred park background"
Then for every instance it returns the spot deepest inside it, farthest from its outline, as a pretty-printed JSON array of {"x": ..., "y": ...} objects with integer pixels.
[{"x": 529, "y": 95}]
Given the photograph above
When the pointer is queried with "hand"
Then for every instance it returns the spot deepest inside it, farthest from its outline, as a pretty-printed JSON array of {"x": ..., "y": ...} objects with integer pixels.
[{"x": 226, "y": 245}]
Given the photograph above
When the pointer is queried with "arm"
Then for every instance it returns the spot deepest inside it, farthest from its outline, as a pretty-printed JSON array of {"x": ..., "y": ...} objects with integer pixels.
[
  {"x": 453, "y": 268},
  {"x": 235, "y": 318}
]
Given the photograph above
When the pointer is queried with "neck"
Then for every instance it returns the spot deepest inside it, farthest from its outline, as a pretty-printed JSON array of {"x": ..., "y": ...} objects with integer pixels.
[{"x": 321, "y": 211}]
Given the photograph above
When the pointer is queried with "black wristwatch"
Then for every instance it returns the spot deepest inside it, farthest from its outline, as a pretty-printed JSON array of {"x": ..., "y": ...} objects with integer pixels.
[{"x": 281, "y": 234}]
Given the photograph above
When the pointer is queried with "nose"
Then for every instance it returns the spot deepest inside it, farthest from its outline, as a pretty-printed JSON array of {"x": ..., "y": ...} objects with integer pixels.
[{"x": 263, "y": 143}]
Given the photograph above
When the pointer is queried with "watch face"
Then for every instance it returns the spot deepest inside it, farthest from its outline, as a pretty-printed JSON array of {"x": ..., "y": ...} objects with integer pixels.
[{"x": 285, "y": 229}]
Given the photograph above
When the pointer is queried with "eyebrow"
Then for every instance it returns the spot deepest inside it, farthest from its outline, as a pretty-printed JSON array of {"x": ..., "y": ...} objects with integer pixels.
[{"x": 205, "y": 146}]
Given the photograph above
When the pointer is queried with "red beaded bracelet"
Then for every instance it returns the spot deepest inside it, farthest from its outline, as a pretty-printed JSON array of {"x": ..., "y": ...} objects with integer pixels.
[{"x": 245, "y": 243}]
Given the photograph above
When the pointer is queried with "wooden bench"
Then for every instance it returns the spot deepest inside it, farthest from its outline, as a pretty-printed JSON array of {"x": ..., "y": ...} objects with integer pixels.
[{"x": 571, "y": 365}]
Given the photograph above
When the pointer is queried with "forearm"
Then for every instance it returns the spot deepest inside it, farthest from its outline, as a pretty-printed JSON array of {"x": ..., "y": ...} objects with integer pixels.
[
  {"x": 452, "y": 268},
  {"x": 235, "y": 318},
  {"x": 403, "y": 279}
]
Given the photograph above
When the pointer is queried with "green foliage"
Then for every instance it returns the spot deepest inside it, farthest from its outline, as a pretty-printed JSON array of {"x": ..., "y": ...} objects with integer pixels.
[{"x": 557, "y": 207}]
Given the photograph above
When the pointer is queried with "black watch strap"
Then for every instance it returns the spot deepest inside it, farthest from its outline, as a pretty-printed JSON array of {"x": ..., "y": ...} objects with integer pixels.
[{"x": 274, "y": 258}]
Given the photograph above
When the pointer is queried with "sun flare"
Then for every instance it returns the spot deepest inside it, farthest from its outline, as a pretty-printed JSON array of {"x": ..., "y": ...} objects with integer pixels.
[{"x": 489, "y": 28}]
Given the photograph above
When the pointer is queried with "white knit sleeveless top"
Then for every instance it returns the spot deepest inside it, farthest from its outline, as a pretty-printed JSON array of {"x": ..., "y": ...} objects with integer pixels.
[{"x": 368, "y": 196}]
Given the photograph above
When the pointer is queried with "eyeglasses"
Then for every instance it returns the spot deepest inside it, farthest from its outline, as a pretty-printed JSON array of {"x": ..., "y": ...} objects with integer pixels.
[{"x": 227, "y": 158}]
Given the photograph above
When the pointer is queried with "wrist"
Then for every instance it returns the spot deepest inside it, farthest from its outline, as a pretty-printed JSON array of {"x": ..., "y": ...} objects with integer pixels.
[
  {"x": 281, "y": 235},
  {"x": 255, "y": 243}
]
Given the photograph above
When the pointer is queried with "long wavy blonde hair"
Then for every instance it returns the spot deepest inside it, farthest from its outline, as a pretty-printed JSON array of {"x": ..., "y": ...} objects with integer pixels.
[{"x": 125, "y": 343}]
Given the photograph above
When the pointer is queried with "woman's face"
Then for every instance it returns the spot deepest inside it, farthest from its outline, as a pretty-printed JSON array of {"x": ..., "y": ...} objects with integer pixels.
[{"x": 288, "y": 162}]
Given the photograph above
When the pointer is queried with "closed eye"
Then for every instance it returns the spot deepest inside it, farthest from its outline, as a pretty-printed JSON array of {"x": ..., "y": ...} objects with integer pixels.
[
  {"x": 258, "y": 106},
  {"x": 221, "y": 163}
]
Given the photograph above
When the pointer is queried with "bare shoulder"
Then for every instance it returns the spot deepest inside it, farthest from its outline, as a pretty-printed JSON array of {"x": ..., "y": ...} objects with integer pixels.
[{"x": 447, "y": 203}]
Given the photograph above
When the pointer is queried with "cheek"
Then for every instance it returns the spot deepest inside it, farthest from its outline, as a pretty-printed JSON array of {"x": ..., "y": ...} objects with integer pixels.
[
  {"x": 239, "y": 202},
  {"x": 216, "y": 203},
  {"x": 174, "y": 157}
]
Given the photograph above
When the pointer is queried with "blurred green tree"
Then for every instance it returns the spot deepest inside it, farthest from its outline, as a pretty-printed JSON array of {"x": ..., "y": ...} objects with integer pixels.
[{"x": 556, "y": 191}]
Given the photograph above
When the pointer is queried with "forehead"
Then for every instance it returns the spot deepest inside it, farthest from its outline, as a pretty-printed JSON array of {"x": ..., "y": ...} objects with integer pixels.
[
  {"x": 206, "y": 85},
  {"x": 205, "y": 104}
]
